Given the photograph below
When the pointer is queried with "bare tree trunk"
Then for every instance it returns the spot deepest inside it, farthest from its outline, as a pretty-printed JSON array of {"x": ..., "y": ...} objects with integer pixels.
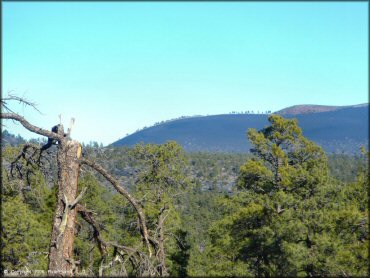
[{"x": 62, "y": 238}]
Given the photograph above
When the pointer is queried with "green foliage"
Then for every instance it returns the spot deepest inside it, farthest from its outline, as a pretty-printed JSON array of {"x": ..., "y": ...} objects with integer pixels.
[
  {"x": 27, "y": 209},
  {"x": 290, "y": 217},
  {"x": 24, "y": 236},
  {"x": 198, "y": 211}
]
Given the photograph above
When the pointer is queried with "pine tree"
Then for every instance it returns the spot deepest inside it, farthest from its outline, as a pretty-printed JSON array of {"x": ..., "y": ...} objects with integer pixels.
[
  {"x": 288, "y": 218},
  {"x": 160, "y": 183}
]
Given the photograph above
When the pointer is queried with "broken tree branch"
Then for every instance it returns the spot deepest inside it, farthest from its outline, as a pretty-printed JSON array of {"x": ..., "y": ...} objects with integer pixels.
[{"x": 79, "y": 197}]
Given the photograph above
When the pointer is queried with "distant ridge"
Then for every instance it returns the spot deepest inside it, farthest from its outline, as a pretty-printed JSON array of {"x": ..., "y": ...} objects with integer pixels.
[
  {"x": 313, "y": 108},
  {"x": 339, "y": 129}
]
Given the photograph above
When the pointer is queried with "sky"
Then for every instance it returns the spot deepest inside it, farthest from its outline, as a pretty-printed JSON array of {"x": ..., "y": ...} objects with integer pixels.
[{"x": 119, "y": 66}]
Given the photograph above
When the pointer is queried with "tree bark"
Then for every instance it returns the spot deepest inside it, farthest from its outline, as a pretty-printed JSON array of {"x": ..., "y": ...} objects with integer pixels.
[{"x": 62, "y": 238}]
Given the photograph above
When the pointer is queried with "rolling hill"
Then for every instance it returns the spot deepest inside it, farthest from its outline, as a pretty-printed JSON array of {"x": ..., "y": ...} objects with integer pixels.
[{"x": 335, "y": 128}]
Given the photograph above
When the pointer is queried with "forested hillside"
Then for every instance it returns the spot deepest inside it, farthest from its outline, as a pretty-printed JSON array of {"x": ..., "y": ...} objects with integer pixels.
[
  {"x": 335, "y": 129},
  {"x": 285, "y": 209}
]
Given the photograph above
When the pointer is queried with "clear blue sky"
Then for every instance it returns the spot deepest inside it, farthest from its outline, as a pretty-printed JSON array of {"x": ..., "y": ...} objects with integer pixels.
[{"x": 120, "y": 66}]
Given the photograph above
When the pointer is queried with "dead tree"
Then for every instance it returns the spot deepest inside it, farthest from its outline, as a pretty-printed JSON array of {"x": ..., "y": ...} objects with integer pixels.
[{"x": 68, "y": 162}]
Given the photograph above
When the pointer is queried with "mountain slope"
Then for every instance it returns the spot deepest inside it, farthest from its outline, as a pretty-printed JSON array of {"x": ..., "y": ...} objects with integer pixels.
[{"x": 343, "y": 129}]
